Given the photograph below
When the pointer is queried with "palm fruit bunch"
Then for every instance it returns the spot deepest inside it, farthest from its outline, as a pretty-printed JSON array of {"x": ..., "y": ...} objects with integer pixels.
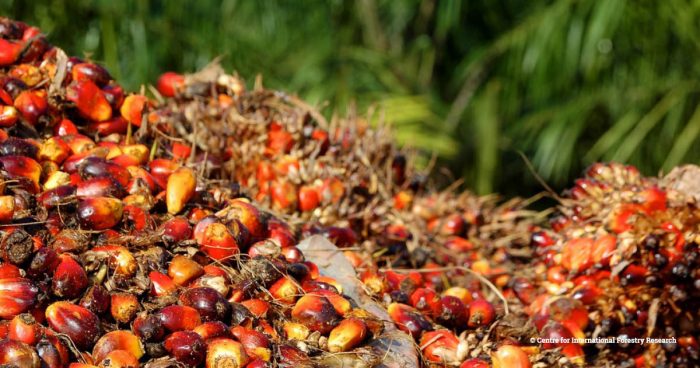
[
  {"x": 620, "y": 261},
  {"x": 435, "y": 259},
  {"x": 118, "y": 251}
]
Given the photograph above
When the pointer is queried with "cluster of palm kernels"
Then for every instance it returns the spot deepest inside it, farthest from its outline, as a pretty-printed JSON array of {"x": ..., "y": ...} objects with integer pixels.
[
  {"x": 118, "y": 252},
  {"x": 621, "y": 261}
]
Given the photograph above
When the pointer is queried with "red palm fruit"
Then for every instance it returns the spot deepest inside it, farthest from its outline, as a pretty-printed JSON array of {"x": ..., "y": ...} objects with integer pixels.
[
  {"x": 291, "y": 357},
  {"x": 140, "y": 178},
  {"x": 52, "y": 353},
  {"x": 408, "y": 319},
  {"x": 179, "y": 317},
  {"x": 653, "y": 200},
  {"x": 123, "y": 307},
  {"x": 133, "y": 108},
  {"x": 402, "y": 200},
  {"x": 568, "y": 309},
  {"x": 214, "y": 329},
  {"x": 223, "y": 352},
  {"x": 114, "y": 94},
  {"x": 161, "y": 284},
  {"x": 82, "y": 365},
  {"x": 284, "y": 290},
  {"x": 120, "y": 359},
  {"x": 481, "y": 313},
  {"x": 510, "y": 356},
  {"x": 54, "y": 149},
  {"x": 257, "y": 307},
  {"x": 176, "y": 230},
  {"x": 90, "y": 72},
  {"x": 96, "y": 299},
  {"x": 161, "y": 169},
  {"x": 116, "y": 125},
  {"x": 9, "y": 271},
  {"x": 90, "y": 100},
  {"x": 575, "y": 354},
  {"x": 181, "y": 151},
  {"x": 9, "y": 52},
  {"x": 65, "y": 127},
  {"x": 31, "y": 75},
  {"x": 523, "y": 289},
  {"x": 331, "y": 190},
  {"x": 81, "y": 144},
  {"x": 186, "y": 347},
  {"x": 292, "y": 254},
  {"x": 603, "y": 248},
  {"x": 100, "y": 213},
  {"x": 100, "y": 187},
  {"x": 339, "y": 302},
  {"x": 17, "y": 354},
  {"x": 341, "y": 236},
  {"x": 278, "y": 140},
  {"x": 427, "y": 301},
  {"x": 308, "y": 198},
  {"x": 458, "y": 244},
  {"x": 24, "y": 328},
  {"x": 69, "y": 279},
  {"x": 316, "y": 313},
  {"x": 374, "y": 282},
  {"x": 169, "y": 83},
  {"x": 248, "y": 215},
  {"x": 475, "y": 363},
  {"x": 218, "y": 243},
  {"x": 117, "y": 340},
  {"x": 576, "y": 254},
  {"x": 31, "y": 105},
  {"x": 442, "y": 346},
  {"x": 7, "y": 208},
  {"x": 148, "y": 327},
  {"x": 22, "y": 167},
  {"x": 284, "y": 195},
  {"x": 255, "y": 343},
  {"x": 554, "y": 332},
  {"x": 81, "y": 325},
  {"x": 183, "y": 270},
  {"x": 556, "y": 274},
  {"x": 453, "y": 312},
  {"x": 97, "y": 167},
  {"x": 347, "y": 335},
  {"x": 180, "y": 189},
  {"x": 8, "y": 116},
  {"x": 125, "y": 160},
  {"x": 208, "y": 302},
  {"x": 621, "y": 219},
  {"x": 295, "y": 331}
]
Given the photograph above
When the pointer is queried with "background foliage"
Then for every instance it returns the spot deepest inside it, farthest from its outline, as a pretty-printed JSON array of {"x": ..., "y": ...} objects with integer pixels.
[{"x": 566, "y": 82}]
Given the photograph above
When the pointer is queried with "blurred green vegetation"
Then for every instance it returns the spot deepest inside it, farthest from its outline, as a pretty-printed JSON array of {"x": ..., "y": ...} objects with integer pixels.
[{"x": 566, "y": 82}]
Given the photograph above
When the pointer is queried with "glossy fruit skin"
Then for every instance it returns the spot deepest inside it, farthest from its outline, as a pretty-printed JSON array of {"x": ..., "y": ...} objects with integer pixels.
[
  {"x": 124, "y": 306},
  {"x": 347, "y": 335},
  {"x": 169, "y": 83},
  {"x": 208, "y": 302},
  {"x": 179, "y": 317},
  {"x": 186, "y": 347},
  {"x": 17, "y": 295},
  {"x": 17, "y": 354},
  {"x": 70, "y": 279},
  {"x": 80, "y": 324},
  {"x": 24, "y": 328},
  {"x": 315, "y": 312},
  {"x": 183, "y": 270},
  {"x": 100, "y": 213},
  {"x": 149, "y": 327},
  {"x": 117, "y": 340},
  {"x": 180, "y": 189},
  {"x": 481, "y": 313},
  {"x": 408, "y": 319}
]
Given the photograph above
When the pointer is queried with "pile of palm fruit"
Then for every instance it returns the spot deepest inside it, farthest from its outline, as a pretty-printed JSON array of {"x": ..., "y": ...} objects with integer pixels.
[{"x": 167, "y": 230}]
